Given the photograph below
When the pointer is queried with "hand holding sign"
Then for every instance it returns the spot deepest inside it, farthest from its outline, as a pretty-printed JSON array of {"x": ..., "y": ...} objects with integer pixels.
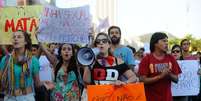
[{"x": 119, "y": 83}]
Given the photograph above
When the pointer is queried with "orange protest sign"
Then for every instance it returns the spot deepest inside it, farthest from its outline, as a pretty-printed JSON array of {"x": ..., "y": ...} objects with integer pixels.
[{"x": 129, "y": 92}]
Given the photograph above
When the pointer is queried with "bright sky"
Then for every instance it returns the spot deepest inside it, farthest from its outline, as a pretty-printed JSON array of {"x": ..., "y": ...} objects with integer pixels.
[
  {"x": 137, "y": 17},
  {"x": 178, "y": 17}
]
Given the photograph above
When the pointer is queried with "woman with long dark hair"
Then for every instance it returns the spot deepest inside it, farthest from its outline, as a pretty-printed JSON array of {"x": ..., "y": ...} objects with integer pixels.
[
  {"x": 66, "y": 84},
  {"x": 176, "y": 52}
]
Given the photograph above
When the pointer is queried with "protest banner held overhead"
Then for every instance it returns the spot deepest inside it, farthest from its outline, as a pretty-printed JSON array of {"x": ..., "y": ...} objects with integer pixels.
[
  {"x": 64, "y": 25},
  {"x": 18, "y": 18}
]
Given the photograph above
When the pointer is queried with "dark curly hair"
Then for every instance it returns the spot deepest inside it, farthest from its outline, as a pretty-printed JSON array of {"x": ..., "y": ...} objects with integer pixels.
[
  {"x": 72, "y": 63},
  {"x": 27, "y": 38}
]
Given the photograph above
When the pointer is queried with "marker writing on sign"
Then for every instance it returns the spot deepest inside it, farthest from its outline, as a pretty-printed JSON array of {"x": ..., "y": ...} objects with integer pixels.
[{"x": 21, "y": 24}]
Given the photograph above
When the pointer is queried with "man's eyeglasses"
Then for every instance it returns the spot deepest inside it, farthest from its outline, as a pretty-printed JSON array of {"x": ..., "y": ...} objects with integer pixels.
[
  {"x": 98, "y": 41},
  {"x": 175, "y": 51}
]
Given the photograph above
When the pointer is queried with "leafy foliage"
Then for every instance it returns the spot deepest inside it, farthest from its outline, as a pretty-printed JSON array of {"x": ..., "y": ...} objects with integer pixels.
[{"x": 195, "y": 43}]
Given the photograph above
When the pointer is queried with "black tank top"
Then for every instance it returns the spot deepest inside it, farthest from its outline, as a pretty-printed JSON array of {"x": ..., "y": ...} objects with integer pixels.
[{"x": 107, "y": 74}]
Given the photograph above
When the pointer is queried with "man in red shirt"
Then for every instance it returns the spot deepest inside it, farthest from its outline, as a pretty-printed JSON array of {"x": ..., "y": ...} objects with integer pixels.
[{"x": 158, "y": 69}]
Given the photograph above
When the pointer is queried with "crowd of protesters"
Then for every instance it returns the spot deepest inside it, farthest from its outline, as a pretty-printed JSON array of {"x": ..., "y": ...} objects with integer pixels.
[{"x": 40, "y": 72}]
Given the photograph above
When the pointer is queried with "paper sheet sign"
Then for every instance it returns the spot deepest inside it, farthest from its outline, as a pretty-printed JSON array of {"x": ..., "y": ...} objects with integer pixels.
[
  {"x": 130, "y": 92},
  {"x": 69, "y": 25},
  {"x": 189, "y": 80}
]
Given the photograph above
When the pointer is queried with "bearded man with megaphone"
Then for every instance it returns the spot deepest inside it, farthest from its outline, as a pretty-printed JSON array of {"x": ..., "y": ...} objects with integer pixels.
[{"x": 106, "y": 69}]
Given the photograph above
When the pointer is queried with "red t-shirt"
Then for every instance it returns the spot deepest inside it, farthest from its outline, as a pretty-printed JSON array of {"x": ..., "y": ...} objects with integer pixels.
[
  {"x": 190, "y": 57},
  {"x": 151, "y": 67}
]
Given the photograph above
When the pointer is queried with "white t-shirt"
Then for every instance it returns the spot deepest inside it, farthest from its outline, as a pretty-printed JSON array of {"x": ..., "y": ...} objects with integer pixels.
[
  {"x": 137, "y": 62},
  {"x": 45, "y": 72}
]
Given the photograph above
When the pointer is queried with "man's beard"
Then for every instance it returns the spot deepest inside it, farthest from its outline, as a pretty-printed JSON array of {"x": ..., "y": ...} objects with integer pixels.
[
  {"x": 186, "y": 50},
  {"x": 115, "y": 40}
]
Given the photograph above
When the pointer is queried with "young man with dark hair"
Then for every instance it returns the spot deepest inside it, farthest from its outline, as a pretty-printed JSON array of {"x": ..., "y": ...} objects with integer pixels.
[
  {"x": 185, "y": 45},
  {"x": 158, "y": 69}
]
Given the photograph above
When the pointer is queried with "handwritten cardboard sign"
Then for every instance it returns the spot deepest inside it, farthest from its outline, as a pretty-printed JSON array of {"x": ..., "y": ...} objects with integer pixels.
[
  {"x": 130, "y": 92},
  {"x": 64, "y": 25},
  {"x": 189, "y": 80},
  {"x": 18, "y": 18}
]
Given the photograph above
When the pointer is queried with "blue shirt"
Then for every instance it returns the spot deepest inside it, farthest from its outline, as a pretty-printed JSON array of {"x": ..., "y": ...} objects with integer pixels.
[{"x": 125, "y": 54}]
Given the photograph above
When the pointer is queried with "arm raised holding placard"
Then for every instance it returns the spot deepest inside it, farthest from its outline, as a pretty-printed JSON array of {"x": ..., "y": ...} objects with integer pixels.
[{"x": 51, "y": 57}]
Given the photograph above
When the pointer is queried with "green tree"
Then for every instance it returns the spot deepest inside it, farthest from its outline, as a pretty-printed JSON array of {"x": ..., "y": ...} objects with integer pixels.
[
  {"x": 174, "y": 41},
  {"x": 195, "y": 43}
]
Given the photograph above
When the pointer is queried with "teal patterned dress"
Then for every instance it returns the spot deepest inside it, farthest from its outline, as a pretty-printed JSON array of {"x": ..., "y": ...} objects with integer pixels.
[{"x": 66, "y": 91}]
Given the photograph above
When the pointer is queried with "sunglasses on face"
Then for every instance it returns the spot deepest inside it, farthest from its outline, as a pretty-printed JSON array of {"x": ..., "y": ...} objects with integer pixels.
[
  {"x": 175, "y": 51},
  {"x": 98, "y": 41}
]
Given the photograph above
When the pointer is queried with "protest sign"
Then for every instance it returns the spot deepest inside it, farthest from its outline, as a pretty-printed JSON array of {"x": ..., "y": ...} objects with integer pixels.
[
  {"x": 18, "y": 18},
  {"x": 189, "y": 80},
  {"x": 129, "y": 92},
  {"x": 1, "y": 3},
  {"x": 64, "y": 25},
  {"x": 103, "y": 25}
]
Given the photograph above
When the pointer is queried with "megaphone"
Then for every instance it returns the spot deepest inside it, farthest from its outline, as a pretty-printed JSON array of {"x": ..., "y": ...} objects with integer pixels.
[{"x": 86, "y": 56}]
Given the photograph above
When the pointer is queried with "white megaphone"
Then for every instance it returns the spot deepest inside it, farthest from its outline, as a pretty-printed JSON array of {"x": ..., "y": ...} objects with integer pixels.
[{"x": 86, "y": 56}]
